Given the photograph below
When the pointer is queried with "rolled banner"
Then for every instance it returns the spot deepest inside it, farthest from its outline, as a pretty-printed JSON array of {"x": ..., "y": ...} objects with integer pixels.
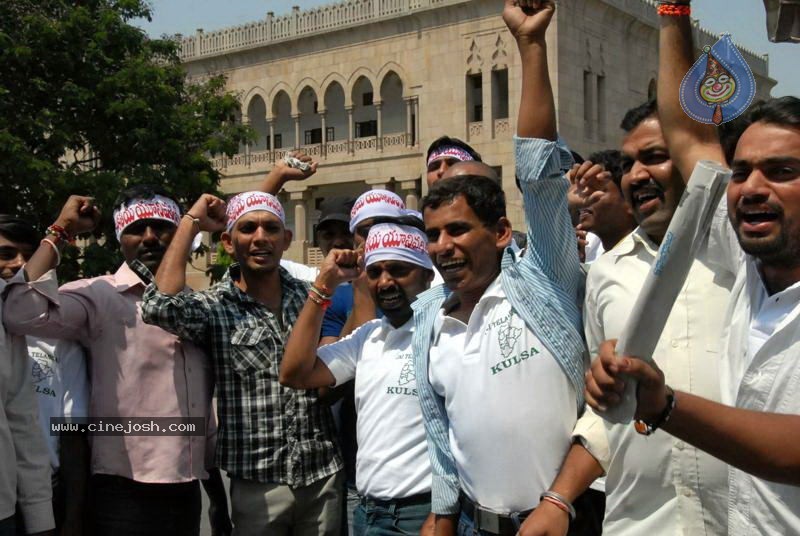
[{"x": 687, "y": 231}]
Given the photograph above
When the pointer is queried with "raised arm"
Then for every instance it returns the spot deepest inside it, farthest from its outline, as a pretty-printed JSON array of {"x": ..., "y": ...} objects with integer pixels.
[
  {"x": 283, "y": 173},
  {"x": 528, "y": 21},
  {"x": 207, "y": 214},
  {"x": 301, "y": 368},
  {"x": 688, "y": 140}
]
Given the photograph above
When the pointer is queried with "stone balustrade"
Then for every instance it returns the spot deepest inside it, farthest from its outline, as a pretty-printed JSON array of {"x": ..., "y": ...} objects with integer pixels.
[{"x": 299, "y": 23}]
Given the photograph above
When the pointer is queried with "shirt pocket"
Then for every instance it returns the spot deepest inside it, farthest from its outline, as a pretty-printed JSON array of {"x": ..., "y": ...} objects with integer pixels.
[{"x": 254, "y": 350}]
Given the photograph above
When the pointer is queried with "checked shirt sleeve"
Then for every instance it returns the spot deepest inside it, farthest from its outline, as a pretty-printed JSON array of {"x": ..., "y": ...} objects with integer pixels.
[
  {"x": 552, "y": 246},
  {"x": 185, "y": 315}
]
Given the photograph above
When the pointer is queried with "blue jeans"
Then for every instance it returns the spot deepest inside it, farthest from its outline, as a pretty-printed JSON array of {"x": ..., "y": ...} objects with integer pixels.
[{"x": 387, "y": 520}]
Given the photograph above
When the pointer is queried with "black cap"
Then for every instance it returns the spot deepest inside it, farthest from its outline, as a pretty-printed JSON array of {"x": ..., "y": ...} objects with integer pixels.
[{"x": 335, "y": 209}]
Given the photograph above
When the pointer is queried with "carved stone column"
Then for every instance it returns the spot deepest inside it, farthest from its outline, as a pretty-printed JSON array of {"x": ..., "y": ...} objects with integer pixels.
[
  {"x": 296, "y": 118},
  {"x": 379, "y": 140},
  {"x": 271, "y": 141},
  {"x": 350, "y": 127},
  {"x": 409, "y": 113},
  {"x": 323, "y": 149}
]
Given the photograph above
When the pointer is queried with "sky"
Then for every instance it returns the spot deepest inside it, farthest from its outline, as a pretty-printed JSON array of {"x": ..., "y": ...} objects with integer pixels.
[{"x": 743, "y": 19}]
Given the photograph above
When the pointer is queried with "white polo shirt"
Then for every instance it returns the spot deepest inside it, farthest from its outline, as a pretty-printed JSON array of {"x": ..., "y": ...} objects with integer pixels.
[
  {"x": 392, "y": 460},
  {"x": 511, "y": 407},
  {"x": 58, "y": 374}
]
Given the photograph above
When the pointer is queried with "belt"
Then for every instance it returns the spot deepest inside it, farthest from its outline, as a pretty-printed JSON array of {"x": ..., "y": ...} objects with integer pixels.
[
  {"x": 411, "y": 500},
  {"x": 488, "y": 521}
]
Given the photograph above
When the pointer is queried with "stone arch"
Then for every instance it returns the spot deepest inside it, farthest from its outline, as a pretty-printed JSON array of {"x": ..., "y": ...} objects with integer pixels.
[
  {"x": 332, "y": 78},
  {"x": 276, "y": 90},
  {"x": 393, "y": 111},
  {"x": 358, "y": 74},
  {"x": 256, "y": 91},
  {"x": 306, "y": 82},
  {"x": 333, "y": 103},
  {"x": 392, "y": 67},
  {"x": 281, "y": 110},
  {"x": 256, "y": 113},
  {"x": 307, "y": 100},
  {"x": 365, "y": 114}
]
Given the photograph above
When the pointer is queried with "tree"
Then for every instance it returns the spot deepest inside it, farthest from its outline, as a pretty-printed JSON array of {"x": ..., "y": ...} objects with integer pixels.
[{"x": 89, "y": 104}]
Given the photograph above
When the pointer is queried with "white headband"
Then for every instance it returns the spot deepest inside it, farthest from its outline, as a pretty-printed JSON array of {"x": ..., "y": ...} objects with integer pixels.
[
  {"x": 389, "y": 241},
  {"x": 245, "y": 202},
  {"x": 376, "y": 203},
  {"x": 157, "y": 208}
]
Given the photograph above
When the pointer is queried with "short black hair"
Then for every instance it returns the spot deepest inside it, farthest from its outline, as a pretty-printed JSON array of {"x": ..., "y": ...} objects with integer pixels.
[
  {"x": 483, "y": 195},
  {"x": 635, "y": 116},
  {"x": 611, "y": 160},
  {"x": 444, "y": 141},
  {"x": 19, "y": 230},
  {"x": 782, "y": 111},
  {"x": 142, "y": 191}
]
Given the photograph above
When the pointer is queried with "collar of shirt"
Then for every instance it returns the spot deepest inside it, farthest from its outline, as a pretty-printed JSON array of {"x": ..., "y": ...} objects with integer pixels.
[
  {"x": 386, "y": 329},
  {"x": 289, "y": 284},
  {"x": 131, "y": 275},
  {"x": 638, "y": 238}
]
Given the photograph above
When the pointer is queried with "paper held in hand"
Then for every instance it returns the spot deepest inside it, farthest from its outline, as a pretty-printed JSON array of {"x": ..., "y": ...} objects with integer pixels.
[{"x": 686, "y": 233}]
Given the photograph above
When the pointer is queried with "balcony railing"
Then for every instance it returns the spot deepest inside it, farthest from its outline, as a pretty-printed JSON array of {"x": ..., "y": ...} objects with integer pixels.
[{"x": 333, "y": 150}]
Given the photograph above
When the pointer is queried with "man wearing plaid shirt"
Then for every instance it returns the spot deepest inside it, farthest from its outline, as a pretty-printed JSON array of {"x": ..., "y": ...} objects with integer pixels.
[{"x": 275, "y": 443}]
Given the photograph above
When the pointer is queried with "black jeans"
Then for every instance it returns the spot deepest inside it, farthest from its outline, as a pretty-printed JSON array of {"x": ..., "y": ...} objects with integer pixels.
[{"x": 123, "y": 507}]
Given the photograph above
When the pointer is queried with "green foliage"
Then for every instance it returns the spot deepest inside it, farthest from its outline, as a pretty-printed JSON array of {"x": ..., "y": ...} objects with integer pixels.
[
  {"x": 89, "y": 104},
  {"x": 218, "y": 269}
]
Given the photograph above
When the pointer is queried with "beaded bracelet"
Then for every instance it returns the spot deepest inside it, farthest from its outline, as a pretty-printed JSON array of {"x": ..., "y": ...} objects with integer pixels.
[
  {"x": 60, "y": 233},
  {"x": 674, "y": 10}
]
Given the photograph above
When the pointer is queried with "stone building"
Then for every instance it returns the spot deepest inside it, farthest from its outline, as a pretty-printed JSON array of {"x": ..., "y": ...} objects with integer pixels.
[{"x": 365, "y": 85}]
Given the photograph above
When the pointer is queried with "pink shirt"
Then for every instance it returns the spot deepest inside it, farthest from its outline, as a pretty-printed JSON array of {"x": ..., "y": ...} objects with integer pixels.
[{"x": 136, "y": 370}]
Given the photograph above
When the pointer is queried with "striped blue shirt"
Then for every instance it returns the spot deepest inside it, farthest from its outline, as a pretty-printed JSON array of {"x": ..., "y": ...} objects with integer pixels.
[{"x": 544, "y": 287}]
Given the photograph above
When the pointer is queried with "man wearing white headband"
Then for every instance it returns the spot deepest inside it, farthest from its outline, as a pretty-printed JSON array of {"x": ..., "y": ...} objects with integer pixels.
[
  {"x": 445, "y": 152},
  {"x": 140, "y": 484},
  {"x": 276, "y": 444},
  {"x": 393, "y": 473}
]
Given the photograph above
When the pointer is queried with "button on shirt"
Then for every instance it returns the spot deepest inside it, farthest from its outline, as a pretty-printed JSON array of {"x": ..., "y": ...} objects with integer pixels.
[
  {"x": 392, "y": 460},
  {"x": 494, "y": 373},
  {"x": 136, "y": 370},
  {"x": 542, "y": 289},
  {"x": 267, "y": 432},
  {"x": 659, "y": 484}
]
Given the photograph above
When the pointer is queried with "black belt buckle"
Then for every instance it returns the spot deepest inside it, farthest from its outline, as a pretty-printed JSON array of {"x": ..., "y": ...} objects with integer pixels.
[{"x": 492, "y": 522}]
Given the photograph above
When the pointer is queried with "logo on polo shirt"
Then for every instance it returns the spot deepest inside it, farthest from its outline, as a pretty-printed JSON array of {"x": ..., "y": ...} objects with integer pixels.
[
  {"x": 407, "y": 376},
  {"x": 507, "y": 337}
]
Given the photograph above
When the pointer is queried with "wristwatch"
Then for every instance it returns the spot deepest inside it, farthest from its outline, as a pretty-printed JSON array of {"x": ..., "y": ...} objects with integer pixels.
[{"x": 648, "y": 428}]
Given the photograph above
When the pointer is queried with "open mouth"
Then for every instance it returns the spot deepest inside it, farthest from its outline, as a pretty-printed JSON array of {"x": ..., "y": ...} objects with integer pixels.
[
  {"x": 261, "y": 256},
  {"x": 646, "y": 199},
  {"x": 390, "y": 299},
  {"x": 757, "y": 221},
  {"x": 451, "y": 267}
]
